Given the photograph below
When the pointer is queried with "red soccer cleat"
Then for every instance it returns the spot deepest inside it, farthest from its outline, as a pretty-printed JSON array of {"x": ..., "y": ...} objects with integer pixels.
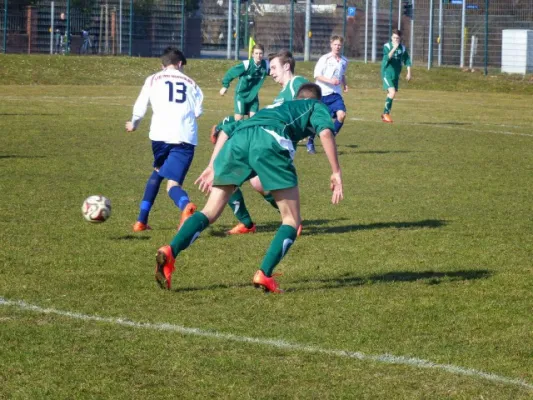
[
  {"x": 241, "y": 229},
  {"x": 141, "y": 226},
  {"x": 214, "y": 134},
  {"x": 189, "y": 210},
  {"x": 386, "y": 118},
  {"x": 268, "y": 284},
  {"x": 164, "y": 267}
]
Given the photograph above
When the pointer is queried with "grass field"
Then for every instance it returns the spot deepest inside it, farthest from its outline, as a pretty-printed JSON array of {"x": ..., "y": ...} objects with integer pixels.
[{"x": 419, "y": 285}]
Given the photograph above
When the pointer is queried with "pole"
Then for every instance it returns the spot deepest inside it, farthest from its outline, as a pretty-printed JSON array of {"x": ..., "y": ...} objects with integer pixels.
[
  {"x": 246, "y": 35},
  {"x": 390, "y": 19},
  {"x": 182, "y": 27},
  {"x": 486, "y": 36},
  {"x": 440, "y": 33},
  {"x": 399, "y": 15},
  {"x": 307, "y": 45},
  {"x": 463, "y": 39},
  {"x": 430, "y": 50},
  {"x": 230, "y": 28},
  {"x": 120, "y": 27},
  {"x": 51, "y": 27},
  {"x": 291, "y": 38},
  {"x": 106, "y": 29},
  {"x": 412, "y": 39},
  {"x": 237, "y": 28},
  {"x": 374, "y": 28},
  {"x": 130, "y": 51},
  {"x": 344, "y": 24},
  {"x": 4, "y": 45},
  {"x": 67, "y": 30},
  {"x": 366, "y": 32}
]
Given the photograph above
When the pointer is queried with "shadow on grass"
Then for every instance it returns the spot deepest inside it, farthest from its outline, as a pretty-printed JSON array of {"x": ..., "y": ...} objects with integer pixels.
[
  {"x": 384, "y": 152},
  {"x": 25, "y": 114},
  {"x": 220, "y": 230},
  {"x": 16, "y": 156},
  {"x": 311, "y": 229},
  {"x": 130, "y": 237},
  {"x": 453, "y": 123},
  {"x": 428, "y": 277}
]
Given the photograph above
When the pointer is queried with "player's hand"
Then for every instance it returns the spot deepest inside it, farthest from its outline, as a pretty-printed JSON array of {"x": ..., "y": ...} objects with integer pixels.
[
  {"x": 129, "y": 126},
  {"x": 336, "y": 187},
  {"x": 335, "y": 81},
  {"x": 223, "y": 91},
  {"x": 345, "y": 88},
  {"x": 408, "y": 76},
  {"x": 205, "y": 180}
]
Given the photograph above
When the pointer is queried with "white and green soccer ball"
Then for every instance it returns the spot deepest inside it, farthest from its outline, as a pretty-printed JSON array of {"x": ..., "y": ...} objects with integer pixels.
[{"x": 96, "y": 208}]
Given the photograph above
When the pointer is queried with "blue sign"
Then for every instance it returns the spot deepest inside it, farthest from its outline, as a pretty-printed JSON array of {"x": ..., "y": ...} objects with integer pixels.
[{"x": 351, "y": 12}]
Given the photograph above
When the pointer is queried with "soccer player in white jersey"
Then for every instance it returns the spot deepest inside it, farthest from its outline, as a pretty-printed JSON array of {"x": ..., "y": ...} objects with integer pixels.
[
  {"x": 176, "y": 102},
  {"x": 330, "y": 75}
]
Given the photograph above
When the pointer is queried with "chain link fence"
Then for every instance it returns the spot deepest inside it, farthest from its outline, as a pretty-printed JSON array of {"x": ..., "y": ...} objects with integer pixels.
[{"x": 437, "y": 32}]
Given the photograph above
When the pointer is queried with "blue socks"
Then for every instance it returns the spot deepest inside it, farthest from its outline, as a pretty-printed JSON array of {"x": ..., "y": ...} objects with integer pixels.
[
  {"x": 338, "y": 125},
  {"x": 150, "y": 193},
  {"x": 179, "y": 197}
]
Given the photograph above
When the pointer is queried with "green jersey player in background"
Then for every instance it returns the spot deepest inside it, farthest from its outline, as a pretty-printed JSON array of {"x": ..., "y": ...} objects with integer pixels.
[
  {"x": 394, "y": 56},
  {"x": 282, "y": 66},
  {"x": 261, "y": 146},
  {"x": 251, "y": 74}
]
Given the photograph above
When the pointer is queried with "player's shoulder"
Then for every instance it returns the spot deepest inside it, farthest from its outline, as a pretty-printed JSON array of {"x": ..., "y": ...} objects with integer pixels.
[
  {"x": 246, "y": 64},
  {"x": 325, "y": 57},
  {"x": 387, "y": 46}
]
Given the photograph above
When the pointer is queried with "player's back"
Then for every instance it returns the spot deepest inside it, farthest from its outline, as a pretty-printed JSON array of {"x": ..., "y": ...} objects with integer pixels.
[{"x": 176, "y": 103}]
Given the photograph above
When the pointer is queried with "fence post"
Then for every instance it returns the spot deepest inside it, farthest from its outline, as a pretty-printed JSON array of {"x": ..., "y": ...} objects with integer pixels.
[
  {"x": 439, "y": 55},
  {"x": 486, "y": 36},
  {"x": 390, "y": 19},
  {"x": 52, "y": 27},
  {"x": 463, "y": 28},
  {"x": 366, "y": 32},
  {"x": 291, "y": 38},
  {"x": 130, "y": 51},
  {"x": 307, "y": 45},
  {"x": 430, "y": 40},
  {"x": 230, "y": 21},
  {"x": 374, "y": 28},
  {"x": 119, "y": 28},
  {"x": 182, "y": 27},
  {"x": 344, "y": 16},
  {"x": 67, "y": 30},
  {"x": 412, "y": 38},
  {"x": 5, "y": 27},
  {"x": 237, "y": 28}
]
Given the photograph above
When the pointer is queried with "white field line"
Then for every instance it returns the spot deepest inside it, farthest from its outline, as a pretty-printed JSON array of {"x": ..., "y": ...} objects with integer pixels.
[
  {"x": 280, "y": 344},
  {"x": 459, "y": 128}
]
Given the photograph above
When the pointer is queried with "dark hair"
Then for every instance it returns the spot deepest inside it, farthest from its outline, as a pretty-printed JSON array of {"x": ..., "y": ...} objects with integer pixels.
[
  {"x": 336, "y": 37},
  {"x": 309, "y": 91},
  {"x": 285, "y": 57},
  {"x": 397, "y": 32},
  {"x": 258, "y": 47},
  {"x": 172, "y": 56}
]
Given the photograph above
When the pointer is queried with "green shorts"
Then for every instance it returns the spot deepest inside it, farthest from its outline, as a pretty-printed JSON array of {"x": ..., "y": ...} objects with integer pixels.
[
  {"x": 390, "y": 81},
  {"x": 244, "y": 108},
  {"x": 255, "y": 151}
]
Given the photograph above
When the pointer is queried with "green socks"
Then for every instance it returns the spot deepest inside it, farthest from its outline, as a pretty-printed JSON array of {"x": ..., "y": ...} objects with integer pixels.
[
  {"x": 237, "y": 205},
  {"x": 388, "y": 105},
  {"x": 188, "y": 233},
  {"x": 285, "y": 237}
]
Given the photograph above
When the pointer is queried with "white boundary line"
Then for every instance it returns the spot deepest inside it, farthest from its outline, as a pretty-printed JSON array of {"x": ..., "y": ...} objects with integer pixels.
[{"x": 280, "y": 344}]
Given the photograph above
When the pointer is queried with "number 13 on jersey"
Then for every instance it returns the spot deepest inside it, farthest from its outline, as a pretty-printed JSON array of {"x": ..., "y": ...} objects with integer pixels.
[{"x": 179, "y": 89}]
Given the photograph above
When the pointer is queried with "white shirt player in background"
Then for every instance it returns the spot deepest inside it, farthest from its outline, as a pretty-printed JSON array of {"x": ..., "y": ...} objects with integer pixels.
[
  {"x": 176, "y": 102},
  {"x": 330, "y": 75}
]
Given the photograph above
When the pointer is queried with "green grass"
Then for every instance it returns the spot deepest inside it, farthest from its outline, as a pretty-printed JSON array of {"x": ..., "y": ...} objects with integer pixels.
[{"x": 429, "y": 256}]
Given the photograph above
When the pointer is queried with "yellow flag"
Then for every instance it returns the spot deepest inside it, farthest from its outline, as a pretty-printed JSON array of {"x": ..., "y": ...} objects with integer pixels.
[{"x": 251, "y": 44}]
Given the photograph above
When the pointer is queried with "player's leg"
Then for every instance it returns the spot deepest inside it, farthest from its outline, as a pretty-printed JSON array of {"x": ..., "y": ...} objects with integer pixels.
[
  {"x": 253, "y": 107},
  {"x": 175, "y": 169},
  {"x": 337, "y": 109},
  {"x": 189, "y": 232},
  {"x": 150, "y": 193},
  {"x": 389, "y": 86},
  {"x": 239, "y": 108},
  {"x": 238, "y": 206},
  {"x": 288, "y": 201}
]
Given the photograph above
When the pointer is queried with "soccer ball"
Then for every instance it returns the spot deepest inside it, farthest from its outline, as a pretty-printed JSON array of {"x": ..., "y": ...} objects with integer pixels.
[{"x": 96, "y": 208}]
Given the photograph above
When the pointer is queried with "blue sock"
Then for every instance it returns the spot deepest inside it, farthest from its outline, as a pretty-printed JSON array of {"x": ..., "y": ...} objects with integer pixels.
[
  {"x": 150, "y": 193},
  {"x": 338, "y": 126},
  {"x": 179, "y": 197}
]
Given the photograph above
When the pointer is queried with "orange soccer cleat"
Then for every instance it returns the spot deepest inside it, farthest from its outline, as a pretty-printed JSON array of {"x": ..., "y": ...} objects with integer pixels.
[
  {"x": 386, "y": 118},
  {"x": 299, "y": 230},
  {"x": 241, "y": 229},
  {"x": 141, "y": 226},
  {"x": 164, "y": 267},
  {"x": 268, "y": 284},
  {"x": 189, "y": 210}
]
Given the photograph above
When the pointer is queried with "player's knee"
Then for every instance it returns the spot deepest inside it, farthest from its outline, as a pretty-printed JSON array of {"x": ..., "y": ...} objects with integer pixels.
[
  {"x": 171, "y": 184},
  {"x": 341, "y": 115}
]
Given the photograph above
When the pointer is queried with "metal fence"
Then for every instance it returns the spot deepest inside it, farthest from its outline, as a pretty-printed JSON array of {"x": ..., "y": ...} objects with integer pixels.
[{"x": 437, "y": 32}]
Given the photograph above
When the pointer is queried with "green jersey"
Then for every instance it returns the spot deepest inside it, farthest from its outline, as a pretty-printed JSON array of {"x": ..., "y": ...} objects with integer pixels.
[
  {"x": 393, "y": 66},
  {"x": 290, "y": 90},
  {"x": 292, "y": 119},
  {"x": 251, "y": 77}
]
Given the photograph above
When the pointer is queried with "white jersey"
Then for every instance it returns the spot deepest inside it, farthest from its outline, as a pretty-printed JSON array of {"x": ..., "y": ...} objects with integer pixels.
[
  {"x": 176, "y": 102},
  {"x": 330, "y": 67}
]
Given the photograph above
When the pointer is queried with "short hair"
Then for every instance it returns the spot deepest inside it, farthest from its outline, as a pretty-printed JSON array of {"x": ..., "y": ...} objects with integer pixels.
[
  {"x": 259, "y": 47},
  {"x": 309, "y": 91},
  {"x": 397, "y": 32},
  {"x": 285, "y": 57},
  {"x": 172, "y": 56},
  {"x": 336, "y": 37}
]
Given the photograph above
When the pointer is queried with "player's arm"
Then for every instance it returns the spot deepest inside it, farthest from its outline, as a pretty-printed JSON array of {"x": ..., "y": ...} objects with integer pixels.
[
  {"x": 330, "y": 148},
  {"x": 344, "y": 81},
  {"x": 407, "y": 63},
  {"x": 140, "y": 107},
  {"x": 320, "y": 67},
  {"x": 233, "y": 72},
  {"x": 198, "y": 104}
]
